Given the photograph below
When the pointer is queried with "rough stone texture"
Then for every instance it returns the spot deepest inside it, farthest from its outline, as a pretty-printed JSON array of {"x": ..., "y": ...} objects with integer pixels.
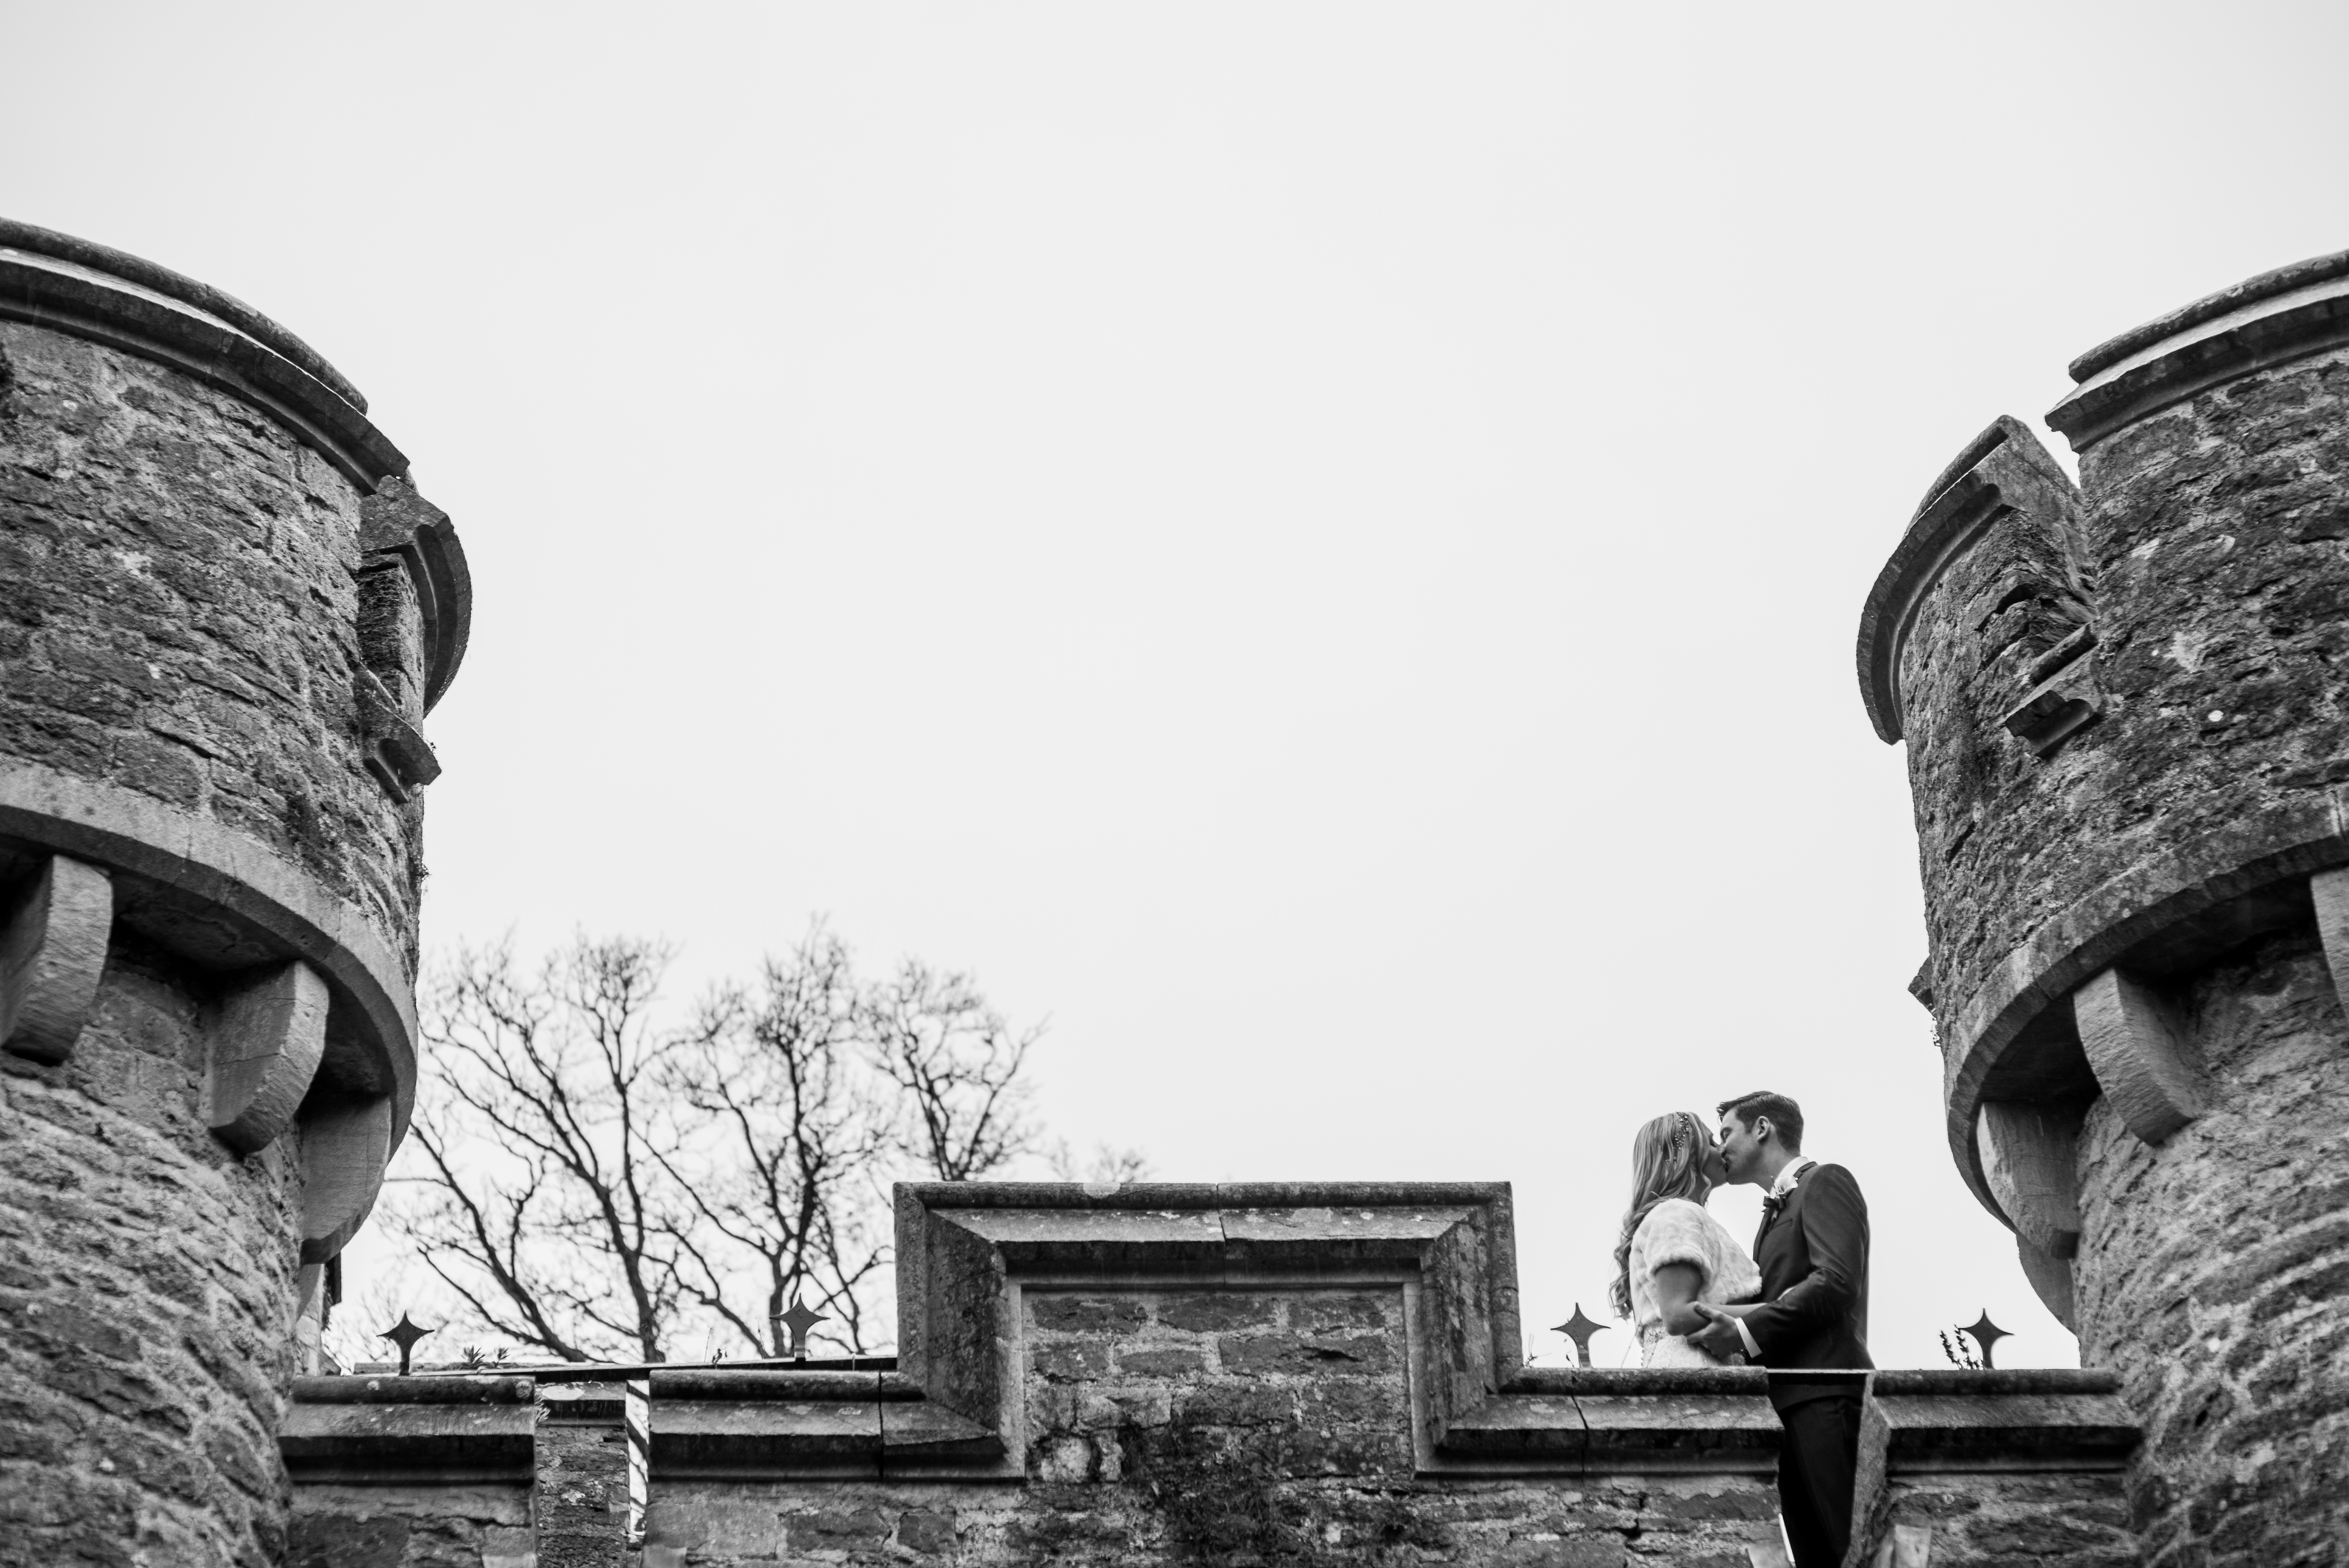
[
  {"x": 582, "y": 1496},
  {"x": 1993, "y": 1467},
  {"x": 2170, "y": 841},
  {"x": 413, "y": 1525},
  {"x": 182, "y": 660},
  {"x": 2211, "y": 1271},
  {"x": 1973, "y": 1517},
  {"x": 2213, "y": 561},
  {"x": 1216, "y": 1426},
  {"x": 147, "y": 1276},
  {"x": 1990, "y": 616},
  {"x": 182, "y": 618}
]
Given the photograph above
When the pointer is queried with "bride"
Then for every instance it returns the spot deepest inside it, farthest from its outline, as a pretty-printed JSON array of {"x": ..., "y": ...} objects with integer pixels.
[{"x": 1674, "y": 1254}]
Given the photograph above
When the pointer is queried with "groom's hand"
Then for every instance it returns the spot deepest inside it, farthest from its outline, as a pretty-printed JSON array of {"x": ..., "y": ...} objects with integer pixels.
[{"x": 1719, "y": 1337}]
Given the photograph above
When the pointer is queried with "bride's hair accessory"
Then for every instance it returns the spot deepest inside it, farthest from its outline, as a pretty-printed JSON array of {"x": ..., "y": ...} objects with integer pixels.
[{"x": 1684, "y": 1128}]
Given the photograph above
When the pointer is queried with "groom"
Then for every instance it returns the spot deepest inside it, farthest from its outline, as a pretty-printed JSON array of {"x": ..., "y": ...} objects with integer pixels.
[{"x": 1812, "y": 1250}]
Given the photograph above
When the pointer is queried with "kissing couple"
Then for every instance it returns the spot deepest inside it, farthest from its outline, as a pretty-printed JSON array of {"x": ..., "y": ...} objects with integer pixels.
[{"x": 1796, "y": 1302}]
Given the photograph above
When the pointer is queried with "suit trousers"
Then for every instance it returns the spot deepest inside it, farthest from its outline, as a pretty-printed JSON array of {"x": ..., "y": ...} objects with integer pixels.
[{"x": 1815, "y": 1466}]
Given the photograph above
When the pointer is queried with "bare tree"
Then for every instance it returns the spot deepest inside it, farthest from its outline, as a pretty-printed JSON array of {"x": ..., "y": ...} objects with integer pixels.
[
  {"x": 957, "y": 1063},
  {"x": 796, "y": 1130},
  {"x": 586, "y": 1181},
  {"x": 547, "y": 1209}
]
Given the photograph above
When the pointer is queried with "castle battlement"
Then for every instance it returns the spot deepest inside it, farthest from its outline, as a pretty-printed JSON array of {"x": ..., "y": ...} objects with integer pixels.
[
  {"x": 2128, "y": 748},
  {"x": 1162, "y": 1372},
  {"x": 228, "y": 613}
]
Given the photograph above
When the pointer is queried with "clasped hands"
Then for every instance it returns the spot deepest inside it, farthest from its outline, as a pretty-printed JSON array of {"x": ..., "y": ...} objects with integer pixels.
[{"x": 1719, "y": 1337}]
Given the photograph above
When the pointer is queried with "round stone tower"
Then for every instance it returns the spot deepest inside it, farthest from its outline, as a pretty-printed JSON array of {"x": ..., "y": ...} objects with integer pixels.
[
  {"x": 224, "y": 615},
  {"x": 2127, "y": 705}
]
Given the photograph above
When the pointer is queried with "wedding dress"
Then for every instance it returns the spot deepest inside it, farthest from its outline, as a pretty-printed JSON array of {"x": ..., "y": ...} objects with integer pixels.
[{"x": 1678, "y": 1232}]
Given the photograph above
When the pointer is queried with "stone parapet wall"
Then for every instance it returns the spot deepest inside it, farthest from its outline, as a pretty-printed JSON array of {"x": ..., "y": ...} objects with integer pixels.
[
  {"x": 1237, "y": 1375},
  {"x": 1994, "y": 1467},
  {"x": 412, "y": 1472}
]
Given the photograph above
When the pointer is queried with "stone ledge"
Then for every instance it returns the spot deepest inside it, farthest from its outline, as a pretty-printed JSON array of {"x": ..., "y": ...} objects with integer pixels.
[
  {"x": 83, "y": 299},
  {"x": 223, "y": 900},
  {"x": 162, "y": 279},
  {"x": 711, "y": 1423},
  {"x": 402, "y": 1430},
  {"x": 1600, "y": 1421},
  {"x": 1932, "y": 1422},
  {"x": 2178, "y": 907},
  {"x": 2271, "y": 319}
]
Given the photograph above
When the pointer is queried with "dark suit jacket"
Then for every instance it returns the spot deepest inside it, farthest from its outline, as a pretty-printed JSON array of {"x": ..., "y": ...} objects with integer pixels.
[{"x": 1814, "y": 1260}]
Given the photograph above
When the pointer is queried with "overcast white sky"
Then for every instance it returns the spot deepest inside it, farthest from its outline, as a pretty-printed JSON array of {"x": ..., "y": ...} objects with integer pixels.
[{"x": 1317, "y": 546}]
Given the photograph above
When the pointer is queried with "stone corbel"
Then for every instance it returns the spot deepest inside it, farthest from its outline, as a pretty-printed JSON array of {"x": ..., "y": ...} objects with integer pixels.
[
  {"x": 345, "y": 1148},
  {"x": 2063, "y": 698},
  {"x": 265, "y": 1045},
  {"x": 2028, "y": 1157},
  {"x": 2142, "y": 1053},
  {"x": 2330, "y": 893},
  {"x": 52, "y": 951},
  {"x": 2050, "y": 1278},
  {"x": 395, "y": 750}
]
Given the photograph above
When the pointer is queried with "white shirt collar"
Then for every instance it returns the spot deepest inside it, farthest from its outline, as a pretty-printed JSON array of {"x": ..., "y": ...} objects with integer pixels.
[{"x": 1790, "y": 1175}]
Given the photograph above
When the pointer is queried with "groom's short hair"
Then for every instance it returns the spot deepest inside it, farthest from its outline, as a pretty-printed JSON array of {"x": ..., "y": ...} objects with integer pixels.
[{"x": 1785, "y": 1115}]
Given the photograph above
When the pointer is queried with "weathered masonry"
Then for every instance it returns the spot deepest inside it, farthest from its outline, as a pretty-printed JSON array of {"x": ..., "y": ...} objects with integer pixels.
[
  {"x": 224, "y": 615},
  {"x": 1169, "y": 1375},
  {"x": 2128, "y": 745}
]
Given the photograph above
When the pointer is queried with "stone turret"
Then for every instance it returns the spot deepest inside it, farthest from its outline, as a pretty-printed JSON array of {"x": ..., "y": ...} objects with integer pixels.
[
  {"x": 2126, "y": 705},
  {"x": 224, "y": 615}
]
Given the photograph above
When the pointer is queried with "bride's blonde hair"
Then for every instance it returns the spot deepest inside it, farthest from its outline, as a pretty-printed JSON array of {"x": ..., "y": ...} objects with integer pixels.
[{"x": 1668, "y": 1159}]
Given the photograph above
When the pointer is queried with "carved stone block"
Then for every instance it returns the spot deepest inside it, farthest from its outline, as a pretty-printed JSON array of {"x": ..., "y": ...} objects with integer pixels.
[
  {"x": 2029, "y": 1155},
  {"x": 2142, "y": 1054},
  {"x": 265, "y": 1045},
  {"x": 2050, "y": 1277},
  {"x": 2330, "y": 893},
  {"x": 344, "y": 1151},
  {"x": 52, "y": 951}
]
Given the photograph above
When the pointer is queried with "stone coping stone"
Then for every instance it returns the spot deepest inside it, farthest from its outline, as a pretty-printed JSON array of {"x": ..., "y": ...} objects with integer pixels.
[
  {"x": 771, "y": 1384},
  {"x": 353, "y": 1389},
  {"x": 1907, "y": 1382},
  {"x": 396, "y": 1430},
  {"x": 2208, "y": 308},
  {"x": 1668, "y": 1420},
  {"x": 1179, "y": 1195},
  {"x": 96, "y": 302},
  {"x": 2021, "y": 1421},
  {"x": 2273, "y": 319},
  {"x": 1608, "y": 1381},
  {"x": 163, "y": 281}
]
